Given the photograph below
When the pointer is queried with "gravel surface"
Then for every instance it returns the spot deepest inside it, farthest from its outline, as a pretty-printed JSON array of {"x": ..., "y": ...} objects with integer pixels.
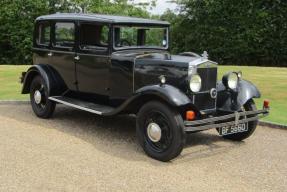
[{"x": 78, "y": 151}]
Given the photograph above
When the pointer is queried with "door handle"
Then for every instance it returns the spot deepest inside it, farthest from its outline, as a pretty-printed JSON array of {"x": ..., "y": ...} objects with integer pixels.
[
  {"x": 77, "y": 58},
  {"x": 50, "y": 54}
]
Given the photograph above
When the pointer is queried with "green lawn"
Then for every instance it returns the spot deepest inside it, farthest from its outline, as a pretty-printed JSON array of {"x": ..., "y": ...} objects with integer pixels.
[
  {"x": 10, "y": 87},
  {"x": 272, "y": 82}
]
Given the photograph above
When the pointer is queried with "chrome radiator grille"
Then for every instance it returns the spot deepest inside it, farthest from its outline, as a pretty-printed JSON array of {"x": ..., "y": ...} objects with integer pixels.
[
  {"x": 208, "y": 78},
  {"x": 203, "y": 99}
]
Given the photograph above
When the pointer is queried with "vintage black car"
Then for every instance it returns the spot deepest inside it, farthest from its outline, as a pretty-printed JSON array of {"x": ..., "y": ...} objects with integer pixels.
[{"x": 110, "y": 65}]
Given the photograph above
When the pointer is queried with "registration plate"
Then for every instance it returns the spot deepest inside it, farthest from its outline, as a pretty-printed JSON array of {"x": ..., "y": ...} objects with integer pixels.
[{"x": 228, "y": 130}]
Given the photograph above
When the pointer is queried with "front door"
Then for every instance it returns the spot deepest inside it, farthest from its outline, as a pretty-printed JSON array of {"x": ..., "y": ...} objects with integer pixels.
[
  {"x": 92, "y": 58},
  {"x": 63, "y": 52}
]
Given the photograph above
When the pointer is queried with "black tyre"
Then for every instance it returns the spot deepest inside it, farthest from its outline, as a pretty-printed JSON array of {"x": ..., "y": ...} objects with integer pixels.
[
  {"x": 249, "y": 106},
  {"x": 41, "y": 105},
  {"x": 160, "y": 131}
]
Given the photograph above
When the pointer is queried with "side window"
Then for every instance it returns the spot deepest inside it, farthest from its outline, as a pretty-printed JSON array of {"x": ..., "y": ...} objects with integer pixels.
[
  {"x": 44, "y": 31},
  {"x": 105, "y": 34},
  {"x": 64, "y": 35},
  {"x": 94, "y": 38}
]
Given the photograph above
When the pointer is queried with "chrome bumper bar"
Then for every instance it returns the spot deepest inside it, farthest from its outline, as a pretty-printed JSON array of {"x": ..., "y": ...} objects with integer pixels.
[{"x": 225, "y": 120}]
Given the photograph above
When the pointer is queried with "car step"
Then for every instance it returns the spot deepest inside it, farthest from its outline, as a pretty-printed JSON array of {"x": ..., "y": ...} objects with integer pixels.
[{"x": 83, "y": 105}]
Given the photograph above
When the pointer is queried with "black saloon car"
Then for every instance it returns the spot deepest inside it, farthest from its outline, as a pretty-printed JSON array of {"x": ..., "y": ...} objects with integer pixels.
[{"x": 110, "y": 65}]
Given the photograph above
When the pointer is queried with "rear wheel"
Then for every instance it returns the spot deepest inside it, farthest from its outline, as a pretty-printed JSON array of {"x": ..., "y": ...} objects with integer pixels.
[
  {"x": 249, "y": 106},
  {"x": 41, "y": 105},
  {"x": 160, "y": 131}
]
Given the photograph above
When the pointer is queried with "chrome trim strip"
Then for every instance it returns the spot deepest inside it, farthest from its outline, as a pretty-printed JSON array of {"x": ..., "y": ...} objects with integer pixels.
[
  {"x": 199, "y": 63},
  {"x": 210, "y": 126},
  {"x": 213, "y": 119},
  {"x": 207, "y": 110},
  {"x": 65, "y": 52},
  {"x": 207, "y": 64},
  {"x": 55, "y": 51},
  {"x": 201, "y": 92},
  {"x": 75, "y": 106},
  {"x": 91, "y": 54}
]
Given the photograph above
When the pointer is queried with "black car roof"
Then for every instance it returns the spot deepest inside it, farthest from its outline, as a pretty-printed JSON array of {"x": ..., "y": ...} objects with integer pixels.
[{"x": 102, "y": 18}]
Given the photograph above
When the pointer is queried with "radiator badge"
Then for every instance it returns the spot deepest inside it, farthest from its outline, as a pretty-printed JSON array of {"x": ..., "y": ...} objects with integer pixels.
[{"x": 213, "y": 93}]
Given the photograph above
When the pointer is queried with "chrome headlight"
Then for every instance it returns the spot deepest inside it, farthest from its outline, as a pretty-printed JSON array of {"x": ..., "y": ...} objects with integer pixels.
[
  {"x": 230, "y": 80},
  {"x": 195, "y": 83}
]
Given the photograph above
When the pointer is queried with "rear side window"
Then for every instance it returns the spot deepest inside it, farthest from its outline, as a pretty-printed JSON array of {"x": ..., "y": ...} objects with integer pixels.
[
  {"x": 44, "y": 32},
  {"x": 65, "y": 35}
]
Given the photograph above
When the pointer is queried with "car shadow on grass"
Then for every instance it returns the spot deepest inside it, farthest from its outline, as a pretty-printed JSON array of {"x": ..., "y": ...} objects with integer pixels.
[{"x": 116, "y": 136}]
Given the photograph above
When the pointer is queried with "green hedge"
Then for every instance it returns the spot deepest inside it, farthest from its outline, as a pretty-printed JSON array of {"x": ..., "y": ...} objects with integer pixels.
[{"x": 232, "y": 31}]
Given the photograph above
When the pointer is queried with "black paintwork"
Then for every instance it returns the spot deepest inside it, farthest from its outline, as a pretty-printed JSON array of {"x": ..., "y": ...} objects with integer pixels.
[
  {"x": 128, "y": 78},
  {"x": 54, "y": 81},
  {"x": 229, "y": 100},
  {"x": 148, "y": 68}
]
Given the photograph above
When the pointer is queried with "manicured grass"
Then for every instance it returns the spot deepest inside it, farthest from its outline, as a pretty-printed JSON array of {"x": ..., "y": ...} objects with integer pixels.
[
  {"x": 10, "y": 87},
  {"x": 272, "y": 82}
]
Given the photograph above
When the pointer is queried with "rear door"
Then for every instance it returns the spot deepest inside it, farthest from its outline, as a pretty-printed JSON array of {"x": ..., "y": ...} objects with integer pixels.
[
  {"x": 42, "y": 43},
  {"x": 63, "y": 51},
  {"x": 93, "y": 60}
]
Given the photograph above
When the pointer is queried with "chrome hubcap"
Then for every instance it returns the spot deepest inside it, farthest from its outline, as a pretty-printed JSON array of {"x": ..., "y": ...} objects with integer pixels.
[
  {"x": 37, "y": 97},
  {"x": 154, "y": 132}
]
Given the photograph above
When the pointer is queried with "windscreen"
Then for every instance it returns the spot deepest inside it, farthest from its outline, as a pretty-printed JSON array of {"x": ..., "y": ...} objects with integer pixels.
[{"x": 134, "y": 36}]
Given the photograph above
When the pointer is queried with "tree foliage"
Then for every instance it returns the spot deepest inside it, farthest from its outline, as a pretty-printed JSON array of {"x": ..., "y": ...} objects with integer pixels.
[
  {"x": 232, "y": 31},
  {"x": 17, "y": 21}
]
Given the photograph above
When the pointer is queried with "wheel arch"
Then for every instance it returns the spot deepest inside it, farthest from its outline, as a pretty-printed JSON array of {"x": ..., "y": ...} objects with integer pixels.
[
  {"x": 136, "y": 104},
  {"x": 53, "y": 80},
  {"x": 166, "y": 94},
  {"x": 245, "y": 91}
]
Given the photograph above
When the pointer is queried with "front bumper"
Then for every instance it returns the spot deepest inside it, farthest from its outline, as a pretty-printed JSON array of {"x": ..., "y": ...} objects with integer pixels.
[{"x": 225, "y": 120}]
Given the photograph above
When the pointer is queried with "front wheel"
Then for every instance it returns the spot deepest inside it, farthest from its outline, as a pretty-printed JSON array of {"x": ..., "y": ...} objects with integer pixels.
[
  {"x": 249, "y": 106},
  {"x": 160, "y": 131},
  {"x": 41, "y": 105}
]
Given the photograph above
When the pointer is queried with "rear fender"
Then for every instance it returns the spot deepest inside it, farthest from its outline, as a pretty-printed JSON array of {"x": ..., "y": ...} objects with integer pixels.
[{"x": 53, "y": 80}]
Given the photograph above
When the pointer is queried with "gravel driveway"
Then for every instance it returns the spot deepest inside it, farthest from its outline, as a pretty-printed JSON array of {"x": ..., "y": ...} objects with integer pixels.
[{"x": 78, "y": 151}]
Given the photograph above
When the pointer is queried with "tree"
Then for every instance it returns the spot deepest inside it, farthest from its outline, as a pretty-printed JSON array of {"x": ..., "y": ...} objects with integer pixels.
[
  {"x": 17, "y": 21},
  {"x": 16, "y": 18},
  {"x": 233, "y": 31}
]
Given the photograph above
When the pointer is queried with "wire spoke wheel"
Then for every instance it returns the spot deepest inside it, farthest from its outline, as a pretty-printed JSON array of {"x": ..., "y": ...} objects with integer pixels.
[
  {"x": 40, "y": 96},
  {"x": 41, "y": 106},
  {"x": 160, "y": 131},
  {"x": 157, "y": 121}
]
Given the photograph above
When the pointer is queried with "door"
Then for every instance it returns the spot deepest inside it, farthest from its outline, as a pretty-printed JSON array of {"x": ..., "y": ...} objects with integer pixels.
[
  {"x": 63, "y": 52},
  {"x": 93, "y": 60},
  {"x": 42, "y": 43}
]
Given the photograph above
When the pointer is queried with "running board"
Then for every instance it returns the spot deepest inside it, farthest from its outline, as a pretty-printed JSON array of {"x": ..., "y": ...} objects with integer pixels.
[{"x": 83, "y": 105}]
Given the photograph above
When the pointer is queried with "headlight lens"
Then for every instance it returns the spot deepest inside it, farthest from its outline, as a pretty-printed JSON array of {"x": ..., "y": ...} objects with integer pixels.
[
  {"x": 195, "y": 83},
  {"x": 230, "y": 80}
]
